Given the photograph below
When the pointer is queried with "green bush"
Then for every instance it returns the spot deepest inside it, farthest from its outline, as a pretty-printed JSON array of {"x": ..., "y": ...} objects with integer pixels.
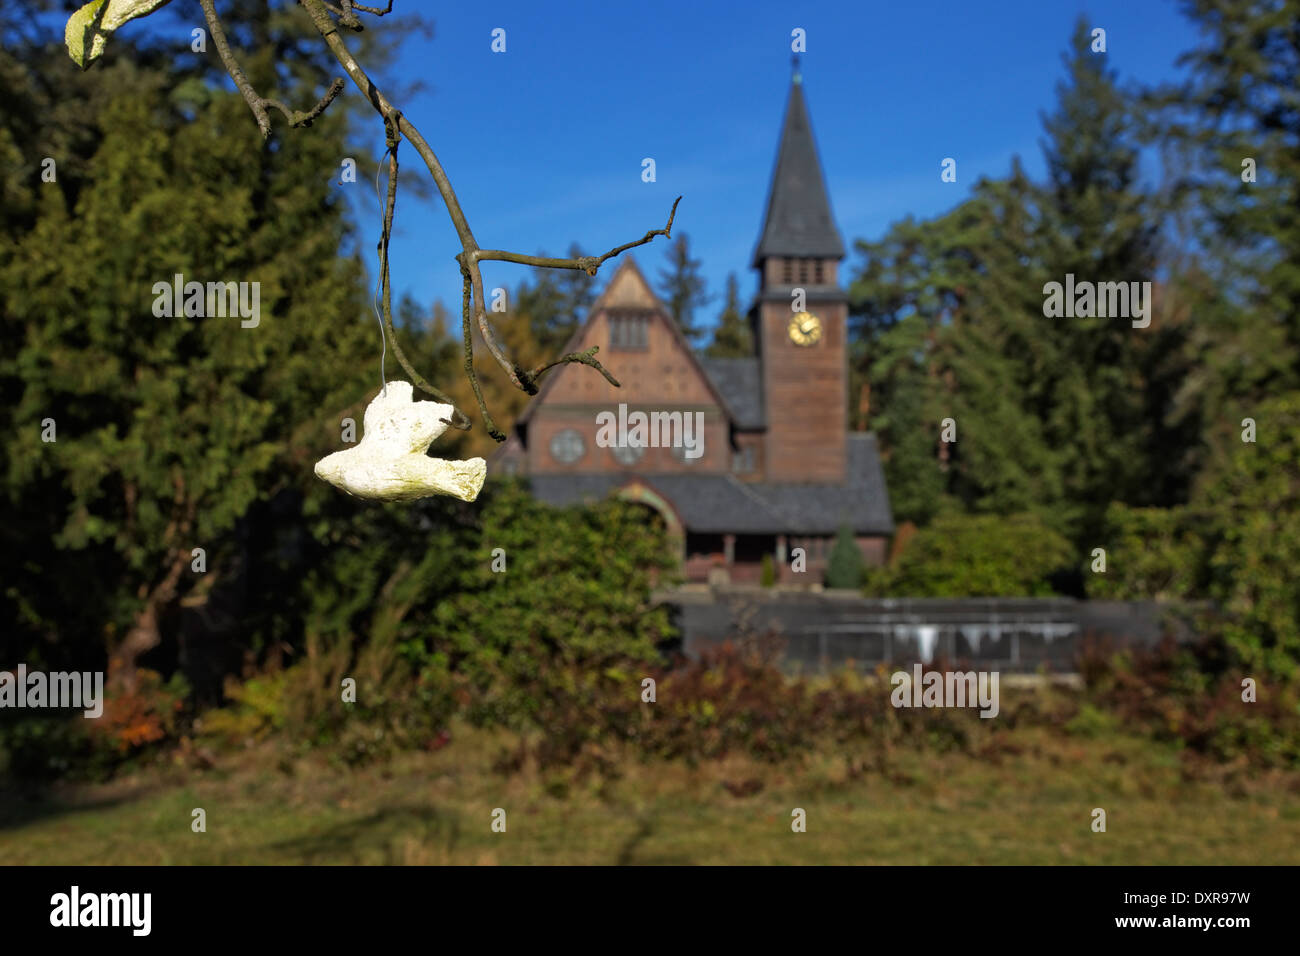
[
  {"x": 1154, "y": 554},
  {"x": 976, "y": 556},
  {"x": 575, "y": 592},
  {"x": 845, "y": 568},
  {"x": 1236, "y": 544},
  {"x": 1180, "y": 694}
]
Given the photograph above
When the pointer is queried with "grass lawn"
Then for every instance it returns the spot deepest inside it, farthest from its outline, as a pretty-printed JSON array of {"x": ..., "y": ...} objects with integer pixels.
[{"x": 1031, "y": 804}]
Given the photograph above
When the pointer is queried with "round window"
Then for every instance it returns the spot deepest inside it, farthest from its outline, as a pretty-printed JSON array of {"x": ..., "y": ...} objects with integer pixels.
[
  {"x": 626, "y": 454},
  {"x": 567, "y": 446},
  {"x": 679, "y": 452}
]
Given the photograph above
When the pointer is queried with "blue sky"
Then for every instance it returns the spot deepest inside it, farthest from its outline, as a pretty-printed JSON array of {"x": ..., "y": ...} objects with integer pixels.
[{"x": 544, "y": 142}]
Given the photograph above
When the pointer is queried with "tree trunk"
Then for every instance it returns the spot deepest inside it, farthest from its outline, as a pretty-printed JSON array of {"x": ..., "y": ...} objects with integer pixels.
[{"x": 144, "y": 634}]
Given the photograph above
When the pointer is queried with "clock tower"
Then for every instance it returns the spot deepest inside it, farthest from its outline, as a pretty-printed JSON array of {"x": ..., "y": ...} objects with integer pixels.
[{"x": 800, "y": 313}]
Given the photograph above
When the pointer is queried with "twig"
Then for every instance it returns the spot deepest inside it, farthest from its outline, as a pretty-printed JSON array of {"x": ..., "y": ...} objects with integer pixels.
[
  {"x": 473, "y": 310},
  {"x": 256, "y": 102},
  {"x": 350, "y": 19},
  {"x": 588, "y": 264},
  {"x": 490, "y": 425},
  {"x": 458, "y": 419}
]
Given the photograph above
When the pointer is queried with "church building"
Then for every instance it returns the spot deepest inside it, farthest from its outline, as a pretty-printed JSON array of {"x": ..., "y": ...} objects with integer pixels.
[{"x": 779, "y": 469}]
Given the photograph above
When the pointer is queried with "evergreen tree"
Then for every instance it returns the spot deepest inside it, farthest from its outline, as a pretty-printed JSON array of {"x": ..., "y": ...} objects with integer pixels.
[
  {"x": 845, "y": 567},
  {"x": 1053, "y": 416},
  {"x": 1232, "y": 130},
  {"x": 169, "y": 429},
  {"x": 556, "y": 302},
  {"x": 682, "y": 287},
  {"x": 1100, "y": 226},
  {"x": 732, "y": 337}
]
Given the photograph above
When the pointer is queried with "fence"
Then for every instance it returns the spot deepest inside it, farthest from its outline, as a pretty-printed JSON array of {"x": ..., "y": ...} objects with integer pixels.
[{"x": 820, "y": 631}]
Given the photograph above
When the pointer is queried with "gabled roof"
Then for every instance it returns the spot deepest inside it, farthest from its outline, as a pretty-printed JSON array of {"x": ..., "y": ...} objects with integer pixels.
[
  {"x": 798, "y": 223},
  {"x": 627, "y": 289}
]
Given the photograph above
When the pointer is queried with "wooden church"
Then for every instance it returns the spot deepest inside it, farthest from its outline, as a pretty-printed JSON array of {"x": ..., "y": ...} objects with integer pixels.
[{"x": 779, "y": 468}]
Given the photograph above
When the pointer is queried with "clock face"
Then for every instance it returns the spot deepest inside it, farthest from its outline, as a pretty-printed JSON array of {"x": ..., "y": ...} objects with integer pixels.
[{"x": 805, "y": 329}]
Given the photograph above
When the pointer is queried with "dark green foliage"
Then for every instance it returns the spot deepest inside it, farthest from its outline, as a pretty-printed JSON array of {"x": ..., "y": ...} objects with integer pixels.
[
  {"x": 1236, "y": 544},
  {"x": 556, "y": 303},
  {"x": 1153, "y": 554},
  {"x": 976, "y": 556},
  {"x": 845, "y": 567},
  {"x": 169, "y": 429},
  {"x": 1053, "y": 415},
  {"x": 683, "y": 288},
  {"x": 575, "y": 592},
  {"x": 732, "y": 337}
]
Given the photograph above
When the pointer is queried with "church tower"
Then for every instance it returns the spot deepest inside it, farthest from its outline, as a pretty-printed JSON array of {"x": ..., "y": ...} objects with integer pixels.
[{"x": 801, "y": 339}]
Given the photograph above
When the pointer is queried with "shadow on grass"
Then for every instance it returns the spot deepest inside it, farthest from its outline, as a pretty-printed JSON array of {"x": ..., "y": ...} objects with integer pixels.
[
  {"x": 20, "y": 807},
  {"x": 395, "y": 835}
]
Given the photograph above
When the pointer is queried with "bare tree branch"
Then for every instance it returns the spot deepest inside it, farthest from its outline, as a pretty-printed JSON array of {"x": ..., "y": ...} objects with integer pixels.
[
  {"x": 256, "y": 102},
  {"x": 350, "y": 19},
  {"x": 458, "y": 419},
  {"x": 473, "y": 311},
  {"x": 588, "y": 264}
]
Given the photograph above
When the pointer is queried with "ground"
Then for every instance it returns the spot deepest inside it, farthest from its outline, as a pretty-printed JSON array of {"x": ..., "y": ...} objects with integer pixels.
[{"x": 1030, "y": 807}]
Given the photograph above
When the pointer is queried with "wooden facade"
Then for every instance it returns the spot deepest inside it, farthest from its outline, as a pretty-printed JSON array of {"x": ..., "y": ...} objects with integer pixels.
[{"x": 779, "y": 469}]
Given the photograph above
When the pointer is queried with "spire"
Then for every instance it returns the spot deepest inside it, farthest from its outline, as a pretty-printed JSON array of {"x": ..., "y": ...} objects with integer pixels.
[{"x": 798, "y": 223}]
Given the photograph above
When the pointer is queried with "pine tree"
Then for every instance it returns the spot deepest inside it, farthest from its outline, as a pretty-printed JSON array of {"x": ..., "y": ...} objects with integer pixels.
[
  {"x": 682, "y": 287},
  {"x": 732, "y": 337},
  {"x": 1099, "y": 225},
  {"x": 845, "y": 567},
  {"x": 1233, "y": 130},
  {"x": 170, "y": 429},
  {"x": 556, "y": 302}
]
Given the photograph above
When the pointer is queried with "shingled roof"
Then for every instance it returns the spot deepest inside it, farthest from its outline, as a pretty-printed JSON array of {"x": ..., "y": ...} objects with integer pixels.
[
  {"x": 716, "y": 504},
  {"x": 798, "y": 223},
  {"x": 740, "y": 382}
]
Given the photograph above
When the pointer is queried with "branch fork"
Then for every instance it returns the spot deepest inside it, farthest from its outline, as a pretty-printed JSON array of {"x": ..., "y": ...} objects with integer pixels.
[{"x": 397, "y": 127}]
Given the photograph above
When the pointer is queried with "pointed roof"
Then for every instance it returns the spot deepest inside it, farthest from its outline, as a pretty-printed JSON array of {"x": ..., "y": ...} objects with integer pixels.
[
  {"x": 799, "y": 223},
  {"x": 628, "y": 289}
]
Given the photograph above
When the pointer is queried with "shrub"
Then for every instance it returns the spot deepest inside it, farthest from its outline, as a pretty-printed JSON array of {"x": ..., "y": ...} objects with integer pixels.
[
  {"x": 133, "y": 726},
  {"x": 976, "y": 556},
  {"x": 1178, "y": 694},
  {"x": 845, "y": 568},
  {"x": 576, "y": 594}
]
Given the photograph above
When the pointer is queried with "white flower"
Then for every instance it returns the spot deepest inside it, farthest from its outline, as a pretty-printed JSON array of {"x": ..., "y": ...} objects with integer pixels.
[{"x": 390, "y": 463}]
